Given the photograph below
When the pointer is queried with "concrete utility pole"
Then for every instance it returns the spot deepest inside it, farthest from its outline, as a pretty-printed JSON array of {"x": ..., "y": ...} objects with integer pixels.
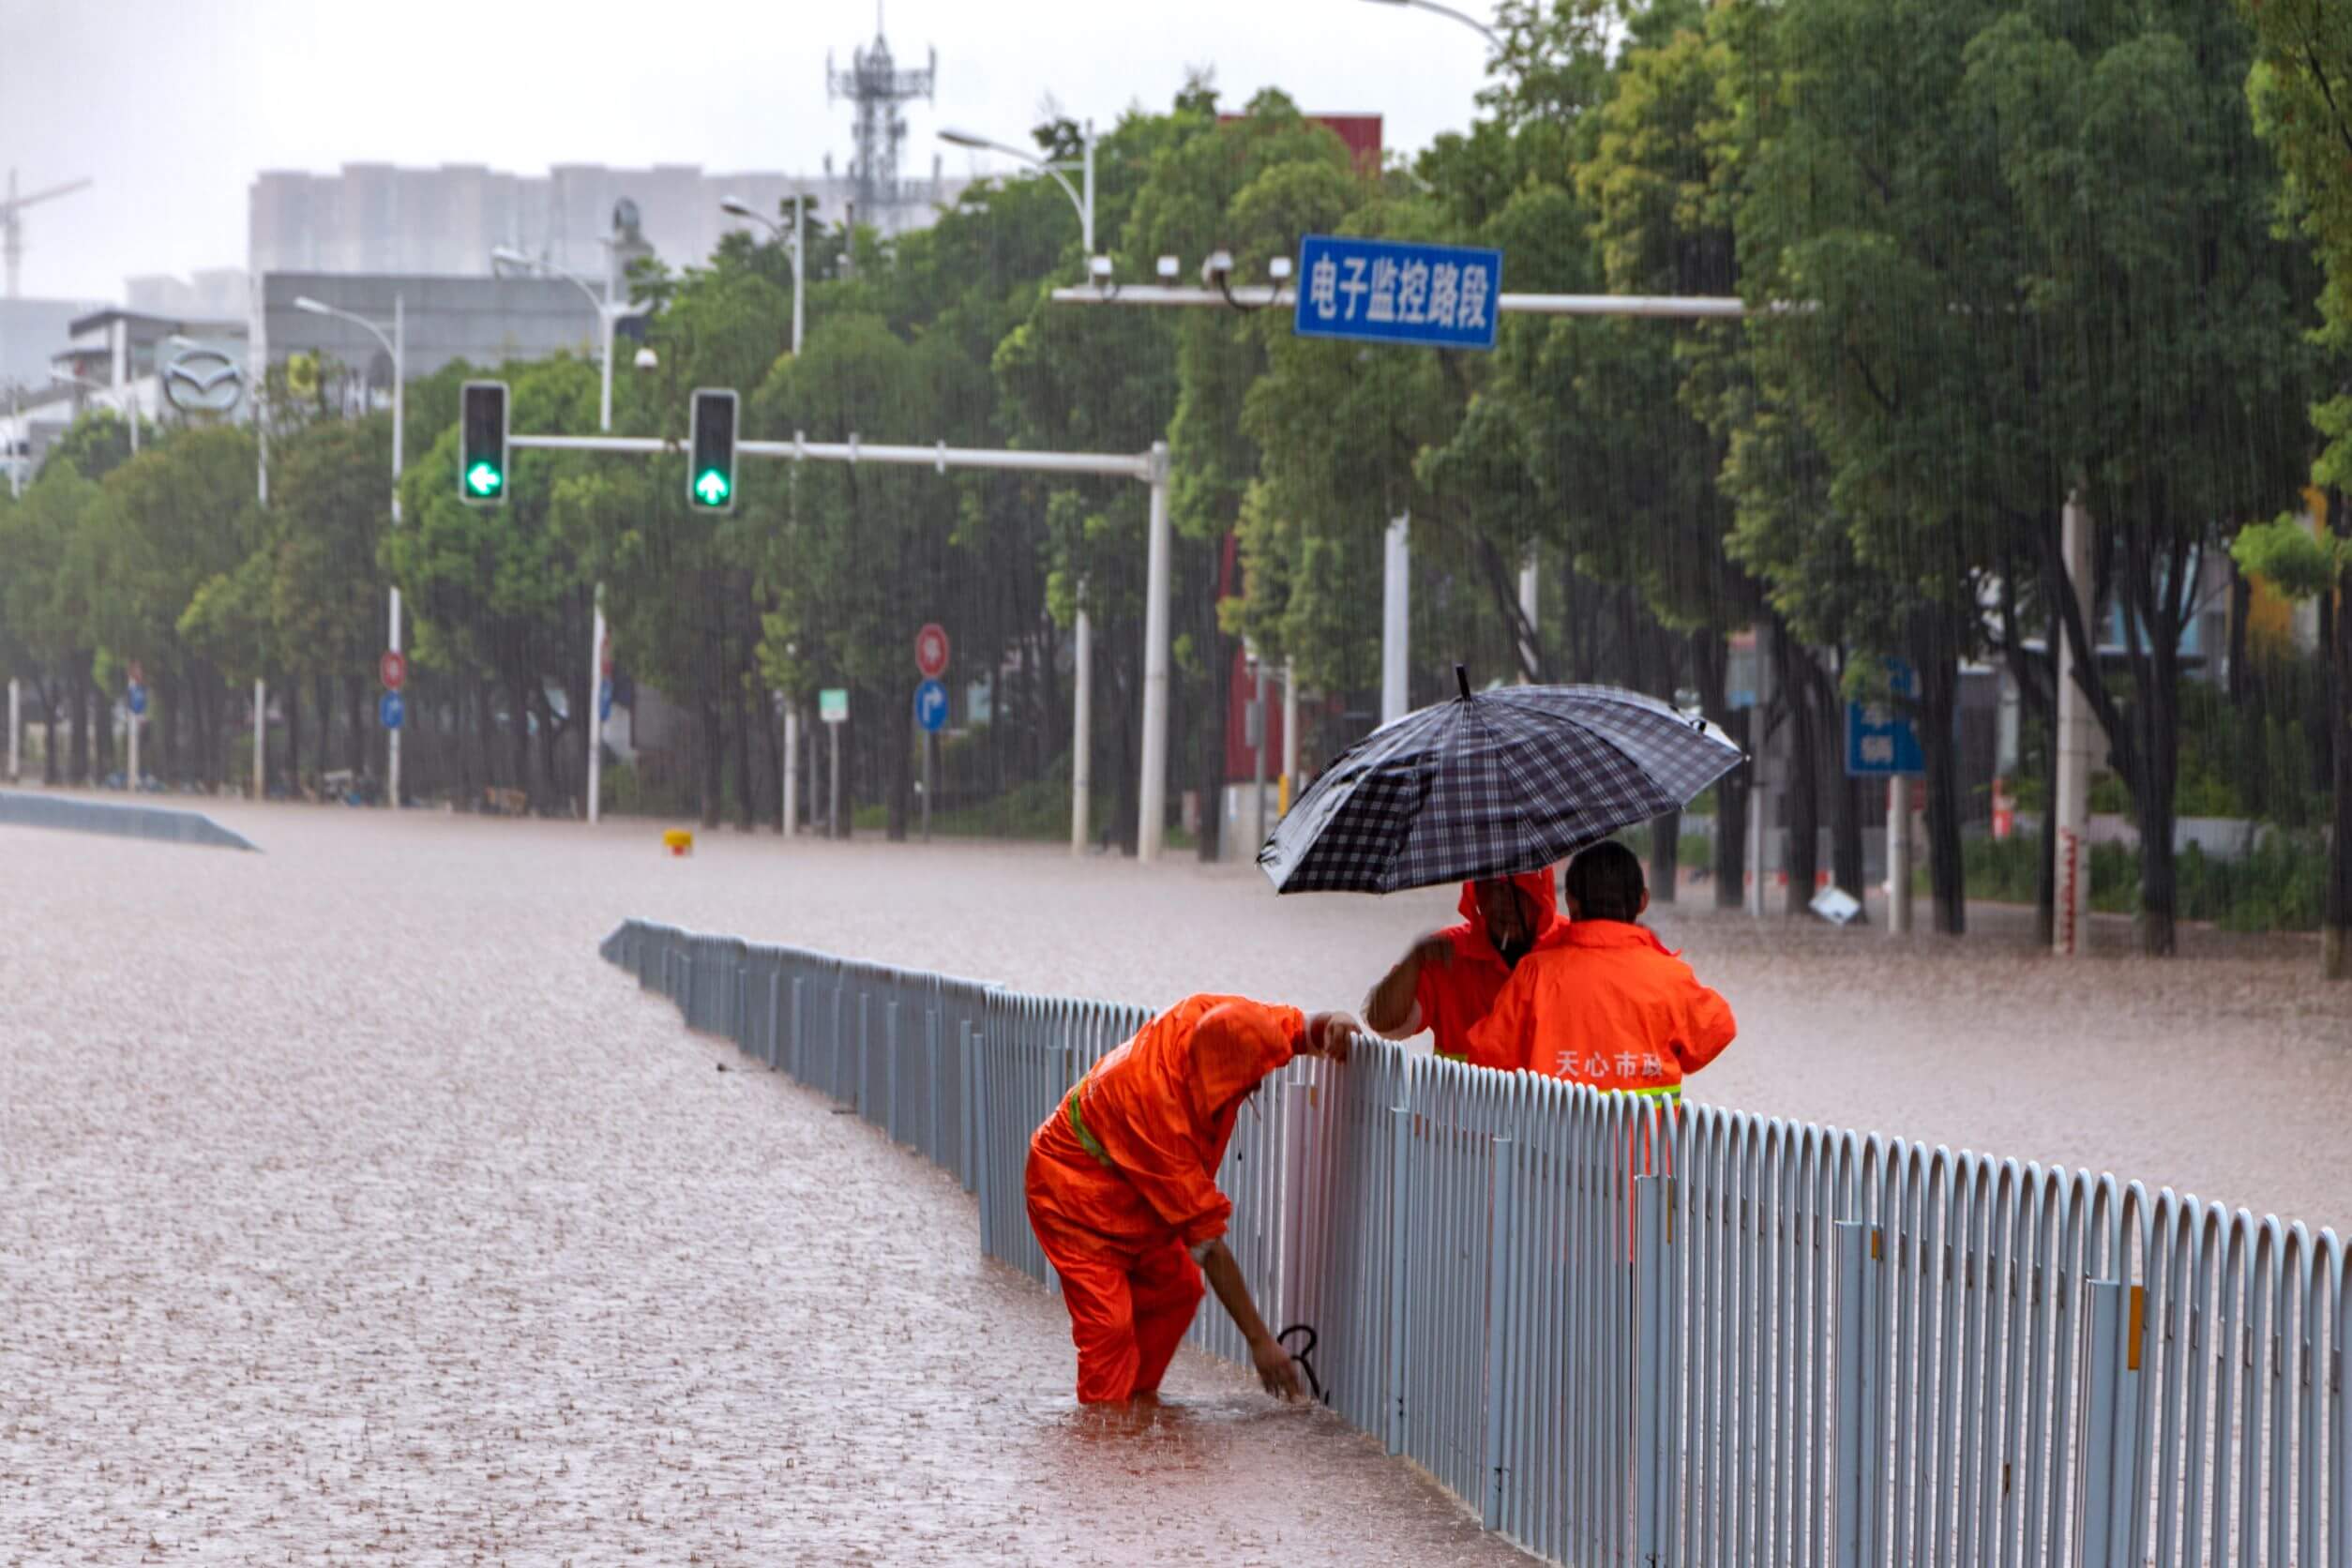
[
  {"x": 2077, "y": 747},
  {"x": 1396, "y": 615},
  {"x": 1081, "y": 727},
  {"x": 1899, "y": 854}
]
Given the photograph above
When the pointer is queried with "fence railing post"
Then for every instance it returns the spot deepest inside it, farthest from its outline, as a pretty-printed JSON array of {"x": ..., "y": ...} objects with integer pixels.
[
  {"x": 890, "y": 1069},
  {"x": 931, "y": 1088},
  {"x": 1859, "y": 1458},
  {"x": 1654, "y": 1274},
  {"x": 1500, "y": 1233},
  {"x": 1401, "y": 1129},
  {"x": 967, "y": 1043},
  {"x": 2111, "y": 1421}
]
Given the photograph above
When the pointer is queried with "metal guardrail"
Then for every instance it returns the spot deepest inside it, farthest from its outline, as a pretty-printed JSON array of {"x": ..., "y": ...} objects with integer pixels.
[
  {"x": 1699, "y": 1339},
  {"x": 22, "y": 808}
]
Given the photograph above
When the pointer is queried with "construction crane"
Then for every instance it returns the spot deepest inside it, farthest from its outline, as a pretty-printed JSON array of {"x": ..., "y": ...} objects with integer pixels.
[{"x": 12, "y": 224}]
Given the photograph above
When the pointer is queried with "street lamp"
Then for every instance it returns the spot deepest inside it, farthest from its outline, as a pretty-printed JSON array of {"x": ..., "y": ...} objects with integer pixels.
[
  {"x": 396, "y": 344},
  {"x": 1463, "y": 17},
  {"x": 1098, "y": 268},
  {"x": 1083, "y": 201},
  {"x": 609, "y": 311},
  {"x": 737, "y": 207}
]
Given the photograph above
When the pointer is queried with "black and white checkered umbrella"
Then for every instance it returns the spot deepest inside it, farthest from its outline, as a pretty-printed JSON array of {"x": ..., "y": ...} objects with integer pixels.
[{"x": 1490, "y": 785}]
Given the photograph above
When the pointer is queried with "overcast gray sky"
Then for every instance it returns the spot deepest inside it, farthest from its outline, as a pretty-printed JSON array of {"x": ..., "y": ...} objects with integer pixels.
[{"x": 173, "y": 105}]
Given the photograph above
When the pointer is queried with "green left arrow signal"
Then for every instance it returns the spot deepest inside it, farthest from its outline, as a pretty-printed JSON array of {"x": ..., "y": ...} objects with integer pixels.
[
  {"x": 483, "y": 478},
  {"x": 712, "y": 487}
]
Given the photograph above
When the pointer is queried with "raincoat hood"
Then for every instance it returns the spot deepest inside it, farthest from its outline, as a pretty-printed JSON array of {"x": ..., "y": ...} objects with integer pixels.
[{"x": 1539, "y": 889}]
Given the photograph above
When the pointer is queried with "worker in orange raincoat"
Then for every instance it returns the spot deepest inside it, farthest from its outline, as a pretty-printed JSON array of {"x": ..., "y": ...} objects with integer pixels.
[
  {"x": 1447, "y": 981},
  {"x": 1609, "y": 1006},
  {"x": 1122, "y": 1194}
]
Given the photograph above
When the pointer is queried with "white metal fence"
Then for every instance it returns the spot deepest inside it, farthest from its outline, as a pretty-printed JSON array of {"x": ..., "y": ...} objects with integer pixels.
[{"x": 1701, "y": 1339}]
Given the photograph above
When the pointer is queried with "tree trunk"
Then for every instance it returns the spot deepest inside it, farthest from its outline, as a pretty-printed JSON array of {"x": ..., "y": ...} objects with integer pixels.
[
  {"x": 898, "y": 763},
  {"x": 102, "y": 707},
  {"x": 80, "y": 689},
  {"x": 2156, "y": 793},
  {"x": 290, "y": 693},
  {"x": 2336, "y": 915},
  {"x": 1798, "y": 674},
  {"x": 746, "y": 808},
  {"x": 518, "y": 708},
  {"x": 49, "y": 735},
  {"x": 484, "y": 738},
  {"x": 1731, "y": 790},
  {"x": 712, "y": 767},
  {"x": 1128, "y": 817},
  {"x": 1217, "y": 697},
  {"x": 1938, "y": 671}
]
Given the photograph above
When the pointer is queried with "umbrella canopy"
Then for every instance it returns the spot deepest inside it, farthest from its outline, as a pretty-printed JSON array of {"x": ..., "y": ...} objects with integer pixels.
[{"x": 1490, "y": 785}]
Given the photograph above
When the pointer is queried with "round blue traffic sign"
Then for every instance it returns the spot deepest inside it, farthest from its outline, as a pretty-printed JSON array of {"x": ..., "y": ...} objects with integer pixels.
[
  {"x": 391, "y": 709},
  {"x": 930, "y": 706},
  {"x": 138, "y": 698}
]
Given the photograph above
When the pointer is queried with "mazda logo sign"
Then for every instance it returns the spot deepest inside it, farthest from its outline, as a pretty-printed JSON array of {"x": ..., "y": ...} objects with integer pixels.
[{"x": 203, "y": 381}]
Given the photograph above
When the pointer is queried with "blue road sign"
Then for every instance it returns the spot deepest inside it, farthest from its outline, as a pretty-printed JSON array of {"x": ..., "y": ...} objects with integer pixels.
[
  {"x": 1880, "y": 741},
  {"x": 1437, "y": 296},
  {"x": 930, "y": 706},
  {"x": 604, "y": 699},
  {"x": 138, "y": 699},
  {"x": 391, "y": 709}
]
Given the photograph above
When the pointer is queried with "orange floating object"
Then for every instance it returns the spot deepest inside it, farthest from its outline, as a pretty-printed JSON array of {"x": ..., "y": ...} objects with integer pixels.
[{"x": 679, "y": 841}]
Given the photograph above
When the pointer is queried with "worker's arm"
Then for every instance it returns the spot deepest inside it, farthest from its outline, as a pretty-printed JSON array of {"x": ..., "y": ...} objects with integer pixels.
[
  {"x": 1392, "y": 1009},
  {"x": 1708, "y": 1026},
  {"x": 1272, "y": 1362}
]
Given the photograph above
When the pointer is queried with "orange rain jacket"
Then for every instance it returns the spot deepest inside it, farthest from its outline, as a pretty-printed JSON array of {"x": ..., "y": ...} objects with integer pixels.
[
  {"x": 1122, "y": 1180},
  {"x": 1454, "y": 997},
  {"x": 1609, "y": 1006}
]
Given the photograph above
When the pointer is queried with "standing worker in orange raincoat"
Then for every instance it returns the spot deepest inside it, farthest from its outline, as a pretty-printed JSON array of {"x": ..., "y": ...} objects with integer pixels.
[
  {"x": 1122, "y": 1192},
  {"x": 1609, "y": 1006},
  {"x": 1447, "y": 982}
]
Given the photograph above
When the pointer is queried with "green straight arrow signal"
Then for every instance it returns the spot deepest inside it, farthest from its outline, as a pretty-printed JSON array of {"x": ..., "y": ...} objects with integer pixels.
[
  {"x": 483, "y": 477},
  {"x": 712, "y": 487}
]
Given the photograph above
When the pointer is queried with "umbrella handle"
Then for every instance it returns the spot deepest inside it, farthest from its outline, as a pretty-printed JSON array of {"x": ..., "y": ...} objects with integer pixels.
[{"x": 1461, "y": 678}]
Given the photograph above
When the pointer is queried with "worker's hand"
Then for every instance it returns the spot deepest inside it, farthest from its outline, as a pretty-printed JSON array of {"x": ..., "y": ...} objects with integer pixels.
[
  {"x": 1329, "y": 1034},
  {"x": 1275, "y": 1369}
]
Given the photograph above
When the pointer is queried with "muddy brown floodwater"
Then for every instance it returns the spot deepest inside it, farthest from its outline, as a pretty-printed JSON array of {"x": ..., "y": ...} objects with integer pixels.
[{"x": 349, "y": 1208}]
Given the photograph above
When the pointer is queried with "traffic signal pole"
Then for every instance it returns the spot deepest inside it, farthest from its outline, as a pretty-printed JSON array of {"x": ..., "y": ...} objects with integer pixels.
[{"x": 1150, "y": 468}]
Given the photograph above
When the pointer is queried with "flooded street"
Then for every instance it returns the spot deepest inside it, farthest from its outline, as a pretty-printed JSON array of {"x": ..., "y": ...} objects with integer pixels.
[{"x": 349, "y": 1207}]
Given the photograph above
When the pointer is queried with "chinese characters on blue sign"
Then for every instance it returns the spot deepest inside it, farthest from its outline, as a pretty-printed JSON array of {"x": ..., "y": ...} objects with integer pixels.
[
  {"x": 1440, "y": 297},
  {"x": 1880, "y": 741}
]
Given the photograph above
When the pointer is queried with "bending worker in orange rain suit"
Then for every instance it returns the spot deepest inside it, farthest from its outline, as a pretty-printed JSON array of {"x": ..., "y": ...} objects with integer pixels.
[
  {"x": 1610, "y": 1007},
  {"x": 1448, "y": 981},
  {"x": 1123, "y": 1191}
]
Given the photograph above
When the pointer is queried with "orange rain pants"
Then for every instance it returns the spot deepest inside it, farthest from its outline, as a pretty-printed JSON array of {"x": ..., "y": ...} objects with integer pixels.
[{"x": 1122, "y": 1180}]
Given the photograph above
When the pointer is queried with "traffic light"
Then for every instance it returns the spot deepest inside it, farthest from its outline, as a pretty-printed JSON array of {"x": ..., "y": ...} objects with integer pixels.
[
  {"x": 711, "y": 477},
  {"x": 482, "y": 449}
]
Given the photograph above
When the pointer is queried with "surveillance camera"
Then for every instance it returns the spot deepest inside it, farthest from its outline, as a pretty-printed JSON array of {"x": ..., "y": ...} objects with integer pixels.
[
  {"x": 1098, "y": 268},
  {"x": 1279, "y": 269},
  {"x": 647, "y": 359},
  {"x": 1167, "y": 267},
  {"x": 1218, "y": 268}
]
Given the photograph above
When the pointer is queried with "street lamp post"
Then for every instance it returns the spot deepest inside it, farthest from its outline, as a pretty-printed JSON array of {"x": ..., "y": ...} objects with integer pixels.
[
  {"x": 789, "y": 808},
  {"x": 1467, "y": 20},
  {"x": 396, "y": 344},
  {"x": 1082, "y": 638},
  {"x": 609, "y": 314}
]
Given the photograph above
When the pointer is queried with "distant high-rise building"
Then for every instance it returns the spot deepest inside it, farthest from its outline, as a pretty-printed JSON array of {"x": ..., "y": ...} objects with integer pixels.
[{"x": 374, "y": 218}]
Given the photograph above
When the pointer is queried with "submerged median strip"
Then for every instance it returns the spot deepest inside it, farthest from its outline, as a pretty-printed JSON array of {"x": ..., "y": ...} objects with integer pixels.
[{"x": 21, "y": 809}]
